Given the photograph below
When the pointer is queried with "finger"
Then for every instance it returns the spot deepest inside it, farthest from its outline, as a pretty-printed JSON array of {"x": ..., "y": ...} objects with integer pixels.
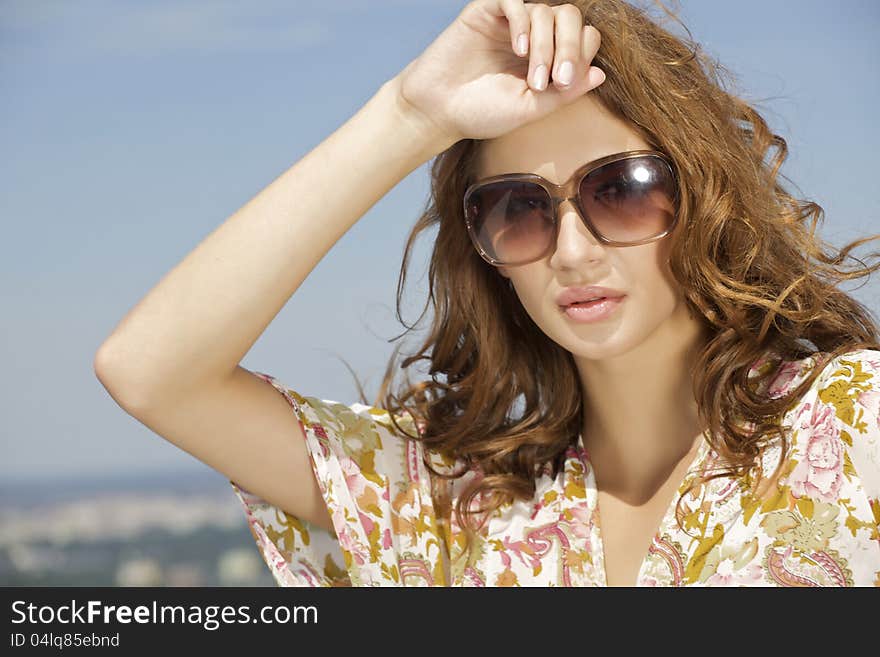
[
  {"x": 587, "y": 77},
  {"x": 541, "y": 18},
  {"x": 567, "y": 48},
  {"x": 548, "y": 101},
  {"x": 518, "y": 20},
  {"x": 590, "y": 43}
]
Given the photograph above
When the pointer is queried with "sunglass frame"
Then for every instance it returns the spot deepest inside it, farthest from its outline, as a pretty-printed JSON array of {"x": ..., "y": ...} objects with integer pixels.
[{"x": 568, "y": 191}]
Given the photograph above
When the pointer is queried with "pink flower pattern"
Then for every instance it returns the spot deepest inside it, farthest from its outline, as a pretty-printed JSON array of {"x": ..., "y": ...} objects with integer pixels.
[
  {"x": 819, "y": 474},
  {"x": 820, "y": 528}
]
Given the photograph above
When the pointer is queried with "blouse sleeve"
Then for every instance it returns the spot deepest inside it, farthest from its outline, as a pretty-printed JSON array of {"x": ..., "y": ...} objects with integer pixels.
[
  {"x": 837, "y": 462},
  {"x": 848, "y": 406},
  {"x": 378, "y": 494}
]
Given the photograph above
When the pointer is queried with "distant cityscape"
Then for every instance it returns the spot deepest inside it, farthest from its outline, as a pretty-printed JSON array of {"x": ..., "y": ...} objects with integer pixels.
[{"x": 178, "y": 529}]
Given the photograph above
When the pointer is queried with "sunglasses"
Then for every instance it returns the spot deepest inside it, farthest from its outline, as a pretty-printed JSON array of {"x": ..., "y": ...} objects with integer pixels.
[{"x": 624, "y": 199}]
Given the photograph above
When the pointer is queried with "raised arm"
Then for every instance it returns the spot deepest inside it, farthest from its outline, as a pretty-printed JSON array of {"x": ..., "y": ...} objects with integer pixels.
[
  {"x": 199, "y": 321},
  {"x": 173, "y": 360}
]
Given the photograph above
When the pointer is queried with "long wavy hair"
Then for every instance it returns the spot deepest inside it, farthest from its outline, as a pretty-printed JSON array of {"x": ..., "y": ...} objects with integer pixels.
[{"x": 745, "y": 254}]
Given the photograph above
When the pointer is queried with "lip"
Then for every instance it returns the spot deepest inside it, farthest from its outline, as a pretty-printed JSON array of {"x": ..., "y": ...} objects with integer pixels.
[
  {"x": 594, "y": 312},
  {"x": 572, "y": 295}
]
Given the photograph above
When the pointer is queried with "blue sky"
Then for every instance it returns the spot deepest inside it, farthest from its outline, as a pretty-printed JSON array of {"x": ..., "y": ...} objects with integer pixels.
[{"x": 131, "y": 130}]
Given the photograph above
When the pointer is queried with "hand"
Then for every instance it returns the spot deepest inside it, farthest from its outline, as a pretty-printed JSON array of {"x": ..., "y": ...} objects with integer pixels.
[{"x": 472, "y": 83}]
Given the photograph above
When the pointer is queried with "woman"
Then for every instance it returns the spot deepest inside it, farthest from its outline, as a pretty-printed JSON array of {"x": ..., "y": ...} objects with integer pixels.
[{"x": 631, "y": 315}]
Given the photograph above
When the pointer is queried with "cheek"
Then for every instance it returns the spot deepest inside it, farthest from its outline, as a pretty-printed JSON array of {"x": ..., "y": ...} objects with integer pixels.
[
  {"x": 647, "y": 267},
  {"x": 529, "y": 292},
  {"x": 656, "y": 295},
  {"x": 643, "y": 272},
  {"x": 653, "y": 294}
]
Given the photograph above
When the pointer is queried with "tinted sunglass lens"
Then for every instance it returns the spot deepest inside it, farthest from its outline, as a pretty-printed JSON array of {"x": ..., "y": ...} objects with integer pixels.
[
  {"x": 630, "y": 200},
  {"x": 511, "y": 221}
]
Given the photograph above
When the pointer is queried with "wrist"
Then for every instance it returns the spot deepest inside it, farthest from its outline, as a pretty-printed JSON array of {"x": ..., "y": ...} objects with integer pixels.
[{"x": 423, "y": 130}]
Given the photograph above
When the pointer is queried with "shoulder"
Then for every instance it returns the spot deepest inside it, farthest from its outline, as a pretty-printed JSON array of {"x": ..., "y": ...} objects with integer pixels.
[
  {"x": 850, "y": 375},
  {"x": 854, "y": 376},
  {"x": 369, "y": 469},
  {"x": 841, "y": 422},
  {"x": 363, "y": 436}
]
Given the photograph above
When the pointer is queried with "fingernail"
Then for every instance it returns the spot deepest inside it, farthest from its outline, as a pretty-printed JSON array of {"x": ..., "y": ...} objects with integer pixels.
[
  {"x": 597, "y": 76},
  {"x": 539, "y": 79},
  {"x": 522, "y": 44},
  {"x": 565, "y": 73}
]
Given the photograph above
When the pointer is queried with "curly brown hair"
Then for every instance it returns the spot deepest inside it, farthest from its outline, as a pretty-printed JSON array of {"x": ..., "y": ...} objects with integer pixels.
[{"x": 745, "y": 253}]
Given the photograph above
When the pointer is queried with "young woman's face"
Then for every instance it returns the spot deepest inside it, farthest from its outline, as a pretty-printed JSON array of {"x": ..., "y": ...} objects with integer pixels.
[{"x": 652, "y": 311}]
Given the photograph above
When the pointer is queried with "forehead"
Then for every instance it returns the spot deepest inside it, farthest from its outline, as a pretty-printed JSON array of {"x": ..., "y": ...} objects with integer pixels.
[{"x": 561, "y": 142}]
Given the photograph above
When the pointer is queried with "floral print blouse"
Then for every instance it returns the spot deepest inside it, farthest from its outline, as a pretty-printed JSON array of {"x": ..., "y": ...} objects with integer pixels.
[{"x": 818, "y": 528}]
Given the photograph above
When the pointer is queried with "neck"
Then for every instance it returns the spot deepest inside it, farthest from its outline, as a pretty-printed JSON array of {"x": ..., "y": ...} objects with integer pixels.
[{"x": 641, "y": 417}]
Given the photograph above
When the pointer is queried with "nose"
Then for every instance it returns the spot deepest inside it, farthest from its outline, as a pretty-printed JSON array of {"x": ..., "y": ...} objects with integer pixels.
[{"x": 575, "y": 244}]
